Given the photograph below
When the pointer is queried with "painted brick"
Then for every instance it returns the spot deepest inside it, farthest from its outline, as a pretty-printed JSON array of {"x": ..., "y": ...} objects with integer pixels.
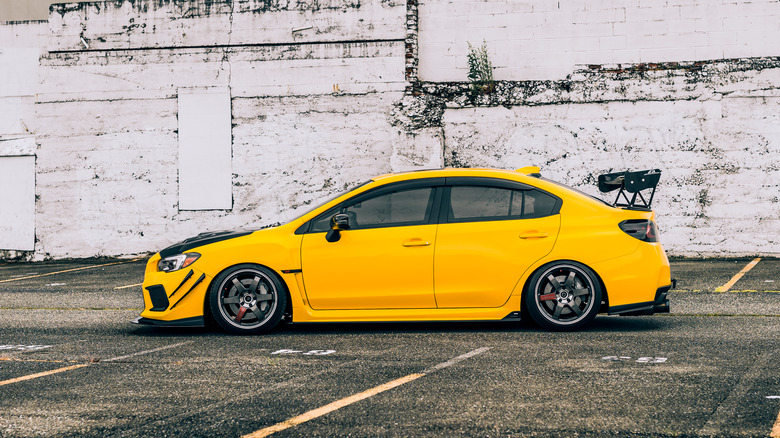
[
  {"x": 612, "y": 43},
  {"x": 574, "y": 143},
  {"x": 193, "y": 23},
  {"x": 322, "y": 108},
  {"x": 656, "y": 13},
  {"x": 678, "y": 26},
  {"x": 686, "y": 28}
]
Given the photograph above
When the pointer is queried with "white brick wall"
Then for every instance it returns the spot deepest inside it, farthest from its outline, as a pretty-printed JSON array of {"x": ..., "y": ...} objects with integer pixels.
[
  {"x": 198, "y": 23},
  {"x": 718, "y": 193},
  {"x": 310, "y": 114},
  {"x": 545, "y": 40},
  {"x": 321, "y": 108},
  {"x": 20, "y": 48}
]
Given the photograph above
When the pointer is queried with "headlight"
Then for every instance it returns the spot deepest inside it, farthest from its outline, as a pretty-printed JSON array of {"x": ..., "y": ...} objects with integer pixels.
[{"x": 179, "y": 261}]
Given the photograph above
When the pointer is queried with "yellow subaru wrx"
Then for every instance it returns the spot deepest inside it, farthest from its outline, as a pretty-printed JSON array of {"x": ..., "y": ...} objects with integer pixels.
[{"x": 434, "y": 245}]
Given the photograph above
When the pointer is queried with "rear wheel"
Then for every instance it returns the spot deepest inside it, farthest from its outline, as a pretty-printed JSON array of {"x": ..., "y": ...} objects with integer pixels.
[
  {"x": 563, "y": 296},
  {"x": 247, "y": 299}
]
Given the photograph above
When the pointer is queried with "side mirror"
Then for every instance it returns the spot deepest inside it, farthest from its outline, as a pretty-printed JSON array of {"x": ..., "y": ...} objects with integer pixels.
[{"x": 338, "y": 223}]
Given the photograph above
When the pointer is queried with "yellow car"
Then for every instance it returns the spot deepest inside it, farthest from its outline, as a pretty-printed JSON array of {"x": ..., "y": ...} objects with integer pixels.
[{"x": 434, "y": 245}]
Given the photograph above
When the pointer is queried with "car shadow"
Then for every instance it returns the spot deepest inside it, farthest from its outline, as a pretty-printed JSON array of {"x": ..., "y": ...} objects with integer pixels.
[{"x": 606, "y": 324}]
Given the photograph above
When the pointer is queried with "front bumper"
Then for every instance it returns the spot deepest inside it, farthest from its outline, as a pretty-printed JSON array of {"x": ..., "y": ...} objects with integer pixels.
[
  {"x": 173, "y": 298},
  {"x": 659, "y": 305}
]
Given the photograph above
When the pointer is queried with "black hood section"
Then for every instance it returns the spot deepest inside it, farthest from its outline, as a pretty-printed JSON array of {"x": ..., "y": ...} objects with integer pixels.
[{"x": 200, "y": 240}]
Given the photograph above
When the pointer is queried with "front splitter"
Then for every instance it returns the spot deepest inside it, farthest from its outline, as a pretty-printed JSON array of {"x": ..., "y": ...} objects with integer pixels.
[{"x": 195, "y": 321}]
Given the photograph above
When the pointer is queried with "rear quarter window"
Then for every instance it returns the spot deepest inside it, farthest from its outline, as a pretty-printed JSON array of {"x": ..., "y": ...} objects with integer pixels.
[
  {"x": 538, "y": 204},
  {"x": 483, "y": 203}
]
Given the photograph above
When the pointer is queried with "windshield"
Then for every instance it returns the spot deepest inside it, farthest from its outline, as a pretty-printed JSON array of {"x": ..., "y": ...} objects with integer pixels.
[{"x": 309, "y": 210}]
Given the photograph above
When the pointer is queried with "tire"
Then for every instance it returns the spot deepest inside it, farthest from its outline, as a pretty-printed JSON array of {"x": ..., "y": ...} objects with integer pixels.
[
  {"x": 247, "y": 299},
  {"x": 563, "y": 296}
]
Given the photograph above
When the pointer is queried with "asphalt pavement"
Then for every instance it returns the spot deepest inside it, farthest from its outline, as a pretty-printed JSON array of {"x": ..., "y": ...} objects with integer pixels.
[{"x": 71, "y": 364}]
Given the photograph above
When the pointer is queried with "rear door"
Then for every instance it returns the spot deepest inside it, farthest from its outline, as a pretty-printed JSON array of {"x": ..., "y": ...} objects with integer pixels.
[{"x": 490, "y": 232}]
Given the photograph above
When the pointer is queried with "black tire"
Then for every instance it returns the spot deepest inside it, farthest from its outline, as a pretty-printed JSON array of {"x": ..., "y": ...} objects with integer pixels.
[
  {"x": 563, "y": 296},
  {"x": 247, "y": 299}
]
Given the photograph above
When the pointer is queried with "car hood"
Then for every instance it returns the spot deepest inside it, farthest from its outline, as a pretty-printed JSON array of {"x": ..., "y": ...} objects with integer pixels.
[{"x": 202, "y": 239}]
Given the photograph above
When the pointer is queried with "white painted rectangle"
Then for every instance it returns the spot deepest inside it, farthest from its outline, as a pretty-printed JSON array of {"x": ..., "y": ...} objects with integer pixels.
[
  {"x": 205, "y": 149},
  {"x": 18, "y": 70},
  {"x": 17, "y": 198}
]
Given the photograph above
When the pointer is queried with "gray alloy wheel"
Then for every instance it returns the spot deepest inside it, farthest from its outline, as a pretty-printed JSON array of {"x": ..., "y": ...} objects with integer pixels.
[
  {"x": 247, "y": 299},
  {"x": 563, "y": 296}
]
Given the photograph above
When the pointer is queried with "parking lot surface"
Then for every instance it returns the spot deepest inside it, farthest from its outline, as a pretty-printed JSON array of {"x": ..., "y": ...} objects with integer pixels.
[{"x": 71, "y": 364}]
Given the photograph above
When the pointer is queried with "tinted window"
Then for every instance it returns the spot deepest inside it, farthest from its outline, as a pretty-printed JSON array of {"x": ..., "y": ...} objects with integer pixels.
[
  {"x": 494, "y": 203},
  {"x": 398, "y": 208},
  {"x": 323, "y": 223},
  {"x": 538, "y": 204},
  {"x": 408, "y": 207},
  {"x": 479, "y": 202}
]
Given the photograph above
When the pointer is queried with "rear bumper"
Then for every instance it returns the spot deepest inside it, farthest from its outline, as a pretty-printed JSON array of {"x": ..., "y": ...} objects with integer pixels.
[{"x": 659, "y": 305}]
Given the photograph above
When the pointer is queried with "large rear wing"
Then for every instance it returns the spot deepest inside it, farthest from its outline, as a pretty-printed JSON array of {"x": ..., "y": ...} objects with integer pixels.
[{"x": 631, "y": 182}]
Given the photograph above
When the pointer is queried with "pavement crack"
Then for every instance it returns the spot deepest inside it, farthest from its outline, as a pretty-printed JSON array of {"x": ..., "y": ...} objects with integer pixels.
[{"x": 726, "y": 410}]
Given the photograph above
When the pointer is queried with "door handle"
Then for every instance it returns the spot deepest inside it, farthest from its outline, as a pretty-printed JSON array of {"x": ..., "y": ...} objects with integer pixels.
[
  {"x": 415, "y": 242},
  {"x": 533, "y": 235}
]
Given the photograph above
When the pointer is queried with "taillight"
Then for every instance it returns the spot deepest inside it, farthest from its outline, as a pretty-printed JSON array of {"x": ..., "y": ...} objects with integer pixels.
[{"x": 641, "y": 229}]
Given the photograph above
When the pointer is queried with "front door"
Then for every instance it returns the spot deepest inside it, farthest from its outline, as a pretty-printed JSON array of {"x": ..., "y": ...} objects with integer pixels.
[{"x": 384, "y": 261}]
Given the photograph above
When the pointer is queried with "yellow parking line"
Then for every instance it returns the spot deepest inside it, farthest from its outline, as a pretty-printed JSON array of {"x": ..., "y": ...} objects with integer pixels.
[
  {"x": 69, "y": 270},
  {"x": 45, "y": 373},
  {"x": 727, "y": 286},
  {"x": 775, "y": 433},
  {"x": 128, "y": 286},
  {"x": 776, "y": 429},
  {"x": 15, "y": 359},
  {"x": 338, "y": 404},
  {"x": 73, "y": 367}
]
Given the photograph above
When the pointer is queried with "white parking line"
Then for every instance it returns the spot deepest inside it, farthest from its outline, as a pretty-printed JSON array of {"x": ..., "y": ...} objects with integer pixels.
[
  {"x": 730, "y": 284},
  {"x": 338, "y": 404},
  {"x": 154, "y": 350}
]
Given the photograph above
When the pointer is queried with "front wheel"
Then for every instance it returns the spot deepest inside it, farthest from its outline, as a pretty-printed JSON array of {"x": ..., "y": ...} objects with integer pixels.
[
  {"x": 247, "y": 299},
  {"x": 563, "y": 296}
]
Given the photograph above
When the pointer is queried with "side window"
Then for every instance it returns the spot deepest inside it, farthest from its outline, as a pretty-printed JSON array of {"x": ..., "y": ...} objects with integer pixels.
[
  {"x": 476, "y": 203},
  {"x": 480, "y": 202},
  {"x": 538, "y": 204},
  {"x": 407, "y": 207},
  {"x": 323, "y": 223}
]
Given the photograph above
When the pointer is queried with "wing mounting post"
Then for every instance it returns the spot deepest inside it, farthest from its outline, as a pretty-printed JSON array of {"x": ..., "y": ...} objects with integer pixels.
[{"x": 633, "y": 183}]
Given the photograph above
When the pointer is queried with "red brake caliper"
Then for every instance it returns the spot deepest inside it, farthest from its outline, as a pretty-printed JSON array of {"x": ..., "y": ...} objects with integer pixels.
[{"x": 241, "y": 312}]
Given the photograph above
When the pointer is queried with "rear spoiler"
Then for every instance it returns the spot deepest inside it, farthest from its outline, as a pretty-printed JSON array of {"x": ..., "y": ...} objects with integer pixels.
[{"x": 631, "y": 182}]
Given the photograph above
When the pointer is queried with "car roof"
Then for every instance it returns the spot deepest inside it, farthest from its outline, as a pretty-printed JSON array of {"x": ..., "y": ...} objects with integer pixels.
[
  {"x": 513, "y": 175},
  {"x": 449, "y": 171}
]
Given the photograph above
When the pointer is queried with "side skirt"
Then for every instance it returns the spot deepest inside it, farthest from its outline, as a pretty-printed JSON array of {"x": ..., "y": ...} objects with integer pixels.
[{"x": 509, "y": 311}]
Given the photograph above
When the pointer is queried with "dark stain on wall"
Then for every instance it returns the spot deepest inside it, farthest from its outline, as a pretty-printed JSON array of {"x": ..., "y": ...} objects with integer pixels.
[{"x": 424, "y": 103}]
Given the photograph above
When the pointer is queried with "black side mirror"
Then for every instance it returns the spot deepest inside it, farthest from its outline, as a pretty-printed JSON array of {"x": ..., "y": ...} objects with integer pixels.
[{"x": 338, "y": 223}]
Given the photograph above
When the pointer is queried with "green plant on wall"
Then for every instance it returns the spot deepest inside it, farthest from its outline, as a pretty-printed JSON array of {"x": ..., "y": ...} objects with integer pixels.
[{"x": 480, "y": 69}]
